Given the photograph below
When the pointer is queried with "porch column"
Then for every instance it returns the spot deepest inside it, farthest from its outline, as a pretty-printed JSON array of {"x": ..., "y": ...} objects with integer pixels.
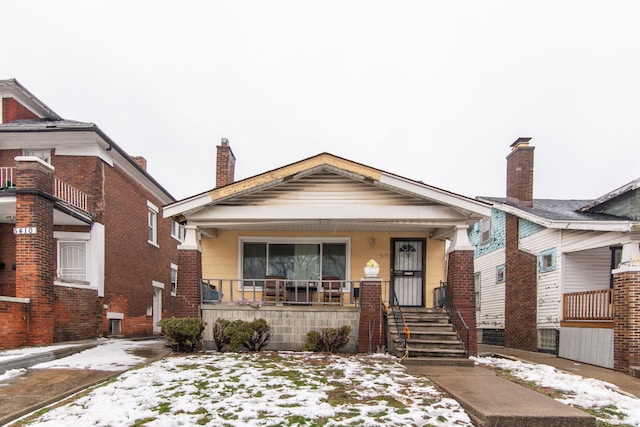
[
  {"x": 370, "y": 327},
  {"x": 35, "y": 257},
  {"x": 189, "y": 275},
  {"x": 626, "y": 309},
  {"x": 461, "y": 286}
]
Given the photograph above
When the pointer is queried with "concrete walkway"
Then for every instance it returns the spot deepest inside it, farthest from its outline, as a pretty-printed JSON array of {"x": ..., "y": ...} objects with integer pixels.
[{"x": 40, "y": 387}]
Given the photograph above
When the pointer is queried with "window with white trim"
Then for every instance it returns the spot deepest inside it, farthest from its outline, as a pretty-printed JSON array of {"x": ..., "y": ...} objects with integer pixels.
[
  {"x": 177, "y": 231},
  {"x": 485, "y": 231},
  {"x": 73, "y": 260},
  {"x": 500, "y": 275},
  {"x": 152, "y": 223},
  {"x": 174, "y": 279},
  {"x": 547, "y": 260}
]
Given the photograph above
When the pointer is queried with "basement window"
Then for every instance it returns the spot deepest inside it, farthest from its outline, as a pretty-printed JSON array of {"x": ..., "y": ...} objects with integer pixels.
[{"x": 500, "y": 273}]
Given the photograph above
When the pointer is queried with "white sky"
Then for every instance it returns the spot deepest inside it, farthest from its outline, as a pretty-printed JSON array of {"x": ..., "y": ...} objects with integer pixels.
[{"x": 433, "y": 91}]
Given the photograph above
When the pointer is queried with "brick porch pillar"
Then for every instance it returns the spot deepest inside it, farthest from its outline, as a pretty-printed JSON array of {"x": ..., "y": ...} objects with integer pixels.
[
  {"x": 370, "y": 324},
  {"x": 35, "y": 259},
  {"x": 187, "y": 302},
  {"x": 626, "y": 309},
  {"x": 461, "y": 286}
]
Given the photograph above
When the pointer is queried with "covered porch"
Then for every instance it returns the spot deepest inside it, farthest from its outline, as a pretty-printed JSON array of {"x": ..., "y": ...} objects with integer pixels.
[{"x": 299, "y": 237}]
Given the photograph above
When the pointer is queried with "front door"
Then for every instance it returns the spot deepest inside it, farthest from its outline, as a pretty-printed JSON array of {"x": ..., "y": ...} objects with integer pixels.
[{"x": 407, "y": 275}]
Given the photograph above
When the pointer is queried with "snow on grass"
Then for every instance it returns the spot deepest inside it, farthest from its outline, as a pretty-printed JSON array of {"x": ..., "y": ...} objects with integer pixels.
[
  {"x": 11, "y": 373},
  {"x": 599, "y": 398},
  {"x": 108, "y": 355},
  {"x": 27, "y": 351},
  {"x": 263, "y": 389}
]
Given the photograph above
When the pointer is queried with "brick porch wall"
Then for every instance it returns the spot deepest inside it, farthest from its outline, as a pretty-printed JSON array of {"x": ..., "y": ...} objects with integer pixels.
[
  {"x": 187, "y": 300},
  {"x": 461, "y": 286},
  {"x": 77, "y": 313},
  {"x": 371, "y": 320},
  {"x": 35, "y": 252},
  {"x": 14, "y": 319},
  {"x": 626, "y": 319}
]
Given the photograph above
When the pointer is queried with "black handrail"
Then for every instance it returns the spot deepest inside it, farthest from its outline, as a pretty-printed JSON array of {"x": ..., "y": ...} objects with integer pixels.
[
  {"x": 398, "y": 317},
  {"x": 460, "y": 326}
]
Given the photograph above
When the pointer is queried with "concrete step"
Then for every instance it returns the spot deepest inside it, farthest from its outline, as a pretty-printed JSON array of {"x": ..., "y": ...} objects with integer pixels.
[
  {"x": 436, "y": 361},
  {"x": 430, "y": 344},
  {"x": 444, "y": 336},
  {"x": 433, "y": 352}
]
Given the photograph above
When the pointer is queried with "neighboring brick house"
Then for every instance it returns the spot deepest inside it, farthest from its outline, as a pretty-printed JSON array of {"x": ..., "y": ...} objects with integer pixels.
[
  {"x": 84, "y": 248},
  {"x": 556, "y": 275}
]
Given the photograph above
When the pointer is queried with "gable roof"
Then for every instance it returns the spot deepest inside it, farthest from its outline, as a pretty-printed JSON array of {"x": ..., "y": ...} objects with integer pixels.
[
  {"x": 328, "y": 187},
  {"x": 17, "y": 91},
  {"x": 566, "y": 214}
]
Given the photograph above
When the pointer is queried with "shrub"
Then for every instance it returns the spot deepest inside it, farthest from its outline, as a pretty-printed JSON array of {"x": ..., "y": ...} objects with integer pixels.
[
  {"x": 327, "y": 340},
  {"x": 238, "y": 335},
  {"x": 220, "y": 338},
  {"x": 182, "y": 334}
]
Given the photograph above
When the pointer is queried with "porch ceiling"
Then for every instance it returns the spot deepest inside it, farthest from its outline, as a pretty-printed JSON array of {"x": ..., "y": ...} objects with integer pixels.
[{"x": 60, "y": 217}]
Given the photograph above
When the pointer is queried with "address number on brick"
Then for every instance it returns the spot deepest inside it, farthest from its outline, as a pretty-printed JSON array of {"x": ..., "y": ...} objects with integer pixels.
[{"x": 25, "y": 230}]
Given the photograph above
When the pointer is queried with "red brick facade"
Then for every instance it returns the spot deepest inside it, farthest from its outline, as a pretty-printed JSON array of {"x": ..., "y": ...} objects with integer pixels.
[
  {"x": 626, "y": 319},
  {"x": 461, "y": 288},
  {"x": 118, "y": 201},
  {"x": 371, "y": 321}
]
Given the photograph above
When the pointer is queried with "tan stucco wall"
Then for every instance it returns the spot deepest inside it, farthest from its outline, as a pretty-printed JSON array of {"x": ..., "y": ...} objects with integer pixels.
[{"x": 220, "y": 255}]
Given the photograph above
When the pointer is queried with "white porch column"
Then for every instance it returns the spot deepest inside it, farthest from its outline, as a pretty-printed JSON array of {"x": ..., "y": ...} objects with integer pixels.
[
  {"x": 191, "y": 239},
  {"x": 460, "y": 241},
  {"x": 630, "y": 254}
]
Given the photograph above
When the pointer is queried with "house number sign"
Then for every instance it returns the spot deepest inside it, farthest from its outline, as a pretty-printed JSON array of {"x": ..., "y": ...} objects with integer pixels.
[{"x": 25, "y": 230}]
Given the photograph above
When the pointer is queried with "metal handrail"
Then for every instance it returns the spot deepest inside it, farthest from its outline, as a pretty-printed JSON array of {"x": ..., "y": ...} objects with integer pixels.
[
  {"x": 403, "y": 334},
  {"x": 289, "y": 292},
  {"x": 459, "y": 325}
]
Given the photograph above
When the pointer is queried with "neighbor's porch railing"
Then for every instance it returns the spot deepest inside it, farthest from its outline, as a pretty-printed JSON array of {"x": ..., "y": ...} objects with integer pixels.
[
  {"x": 287, "y": 292},
  {"x": 63, "y": 191},
  {"x": 589, "y": 305}
]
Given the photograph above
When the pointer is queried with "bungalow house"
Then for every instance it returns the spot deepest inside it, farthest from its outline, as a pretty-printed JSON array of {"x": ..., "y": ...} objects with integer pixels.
[
  {"x": 84, "y": 248},
  {"x": 559, "y": 276},
  {"x": 290, "y": 245}
]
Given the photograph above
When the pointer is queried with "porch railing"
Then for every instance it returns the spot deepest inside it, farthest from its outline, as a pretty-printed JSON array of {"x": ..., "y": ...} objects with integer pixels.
[
  {"x": 71, "y": 195},
  {"x": 589, "y": 305},
  {"x": 460, "y": 326},
  {"x": 63, "y": 191},
  {"x": 404, "y": 334},
  {"x": 287, "y": 292}
]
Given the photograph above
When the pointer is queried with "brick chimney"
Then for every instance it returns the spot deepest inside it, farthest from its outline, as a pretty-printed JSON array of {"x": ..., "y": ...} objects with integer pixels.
[
  {"x": 520, "y": 174},
  {"x": 225, "y": 164},
  {"x": 141, "y": 161}
]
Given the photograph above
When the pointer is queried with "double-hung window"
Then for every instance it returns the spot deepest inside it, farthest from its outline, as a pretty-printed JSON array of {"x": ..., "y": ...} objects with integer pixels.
[
  {"x": 174, "y": 279},
  {"x": 293, "y": 260},
  {"x": 152, "y": 223},
  {"x": 177, "y": 231}
]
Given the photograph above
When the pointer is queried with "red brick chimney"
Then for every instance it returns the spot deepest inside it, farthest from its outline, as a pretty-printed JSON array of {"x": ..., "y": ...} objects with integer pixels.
[
  {"x": 520, "y": 174},
  {"x": 141, "y": 161},
  {"x": 225, "y": 164}
]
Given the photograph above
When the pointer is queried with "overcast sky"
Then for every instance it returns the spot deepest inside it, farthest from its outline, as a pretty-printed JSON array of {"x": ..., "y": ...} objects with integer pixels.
[{"x": 431, "y": 90}]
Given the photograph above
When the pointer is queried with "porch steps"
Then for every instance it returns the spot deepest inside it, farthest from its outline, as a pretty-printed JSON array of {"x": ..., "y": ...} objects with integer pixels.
[{"x": 433, "y": 341}]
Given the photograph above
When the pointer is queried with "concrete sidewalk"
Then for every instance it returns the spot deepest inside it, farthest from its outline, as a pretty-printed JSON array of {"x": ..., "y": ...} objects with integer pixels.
[
  {"x": 625, "y": 382},
  {"x": 40, "y": 387}
]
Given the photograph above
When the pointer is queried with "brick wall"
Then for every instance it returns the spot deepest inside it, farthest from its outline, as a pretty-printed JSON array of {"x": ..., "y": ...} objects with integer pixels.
[
  {"x": 77, "y": 313},
  {"x": 131, "y": 263},
  {"x": 225, "y": 164},
  {"x": 14, "y": 318},
  {"x": 34, "y": 252},
  {"x": 520, "y": 174},
  {"x": 7, "y": 158},
  {"x": 13, "y": 110},
  {"x": 626, "y": 319},
  {"x": 370, "y": 316},
  {"x": 461, "y": 288},
  {"x": 520, "y": 292}
]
